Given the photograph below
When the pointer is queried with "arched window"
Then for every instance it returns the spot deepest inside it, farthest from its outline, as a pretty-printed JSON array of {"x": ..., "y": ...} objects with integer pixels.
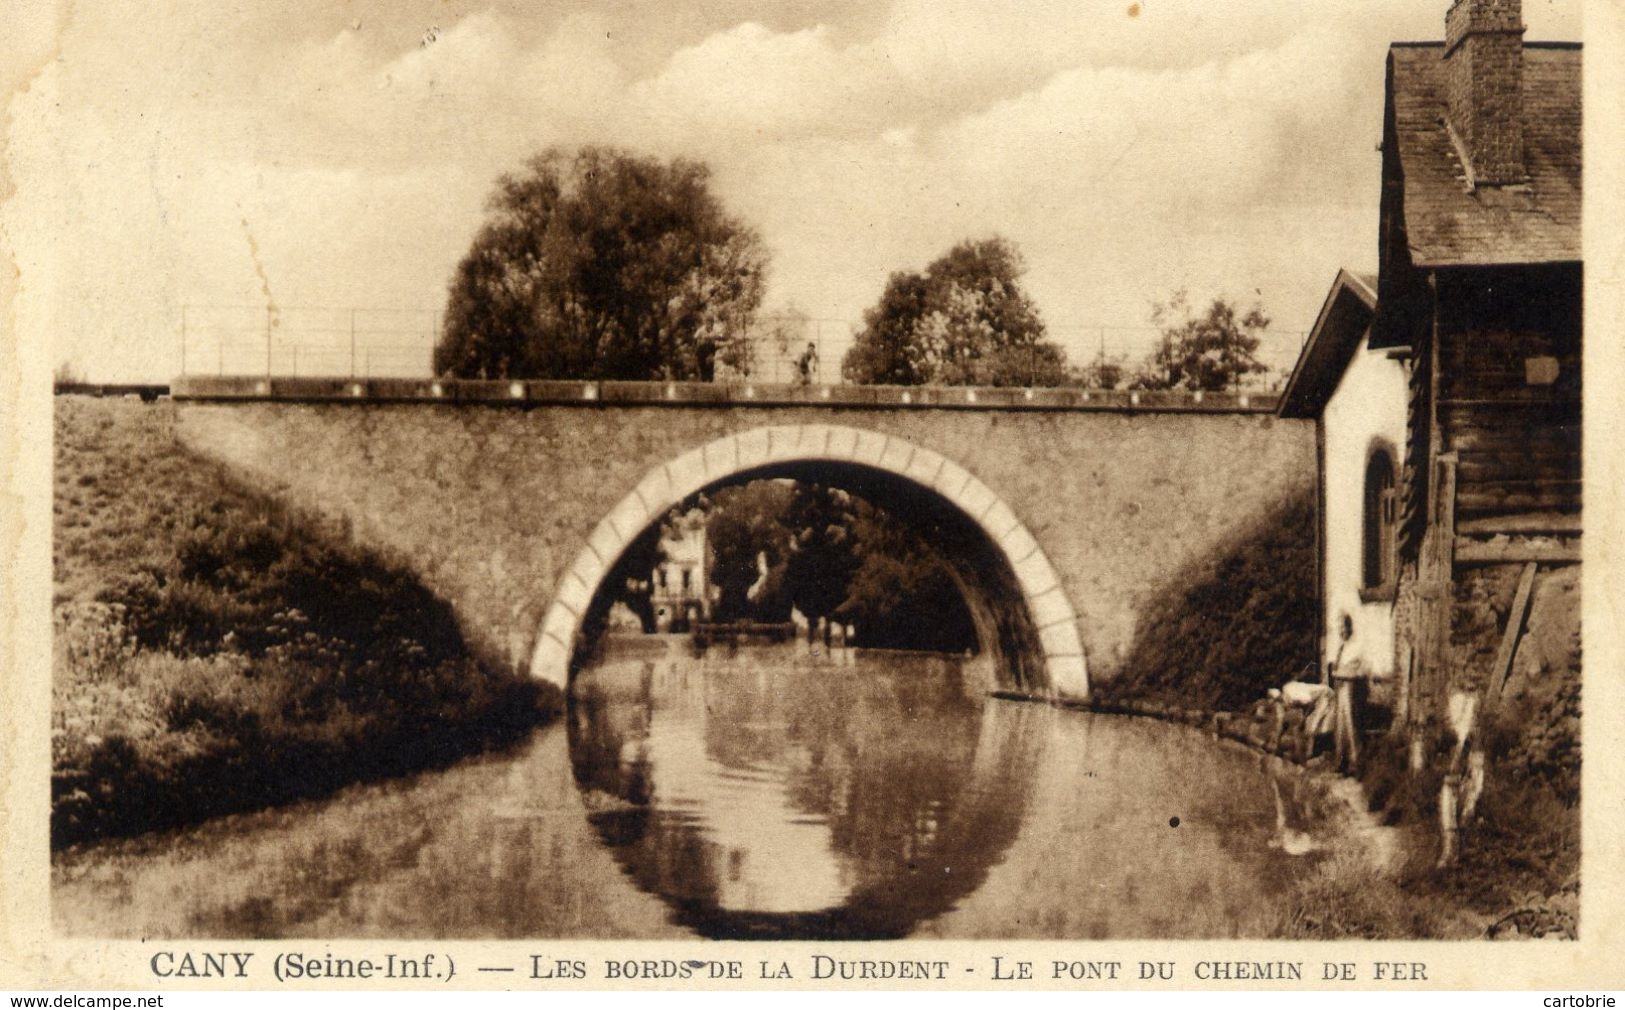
[{"x": 1381, "y": 517}]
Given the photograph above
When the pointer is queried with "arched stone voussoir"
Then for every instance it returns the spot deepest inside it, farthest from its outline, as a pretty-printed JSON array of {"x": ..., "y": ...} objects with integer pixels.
[
  {"x": 867, "y": 448},
  {"x": 1060, "y": 640},
  {"x": 574, "y": 594},
  {"x": 721, "y": 457},
  {"x": 1018, "y": 544},
  {"x": 1000, "y": 521},
  {"x": 830, "y": 442},
  {"x": 631, "y": 516},
  {"x": 551, "y": 662},
  {"x": 784, "y": 443},
  {"x": 656, "y": 490},
  {"x": 1068, "y": 677},
  {"x": 607, "y": 542},
  {"x": 923, "y": 467},
  {"x": 1049, "y": 607},
  {"x": 951, "y": 480},
  {"x": 1036, "y": 575},
  {"x": 559, "y": 626},
  {"x": 974, "y": 499},
  {"x": 588, "y": 568},
  {"x": 896, "y": 456},
  {"x": 688, "y": 474},
  {"x": 751, "y": 448}
]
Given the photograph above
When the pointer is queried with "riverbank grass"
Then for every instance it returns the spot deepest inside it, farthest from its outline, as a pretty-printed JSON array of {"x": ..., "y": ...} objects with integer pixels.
[{"x": 214, "y": 653}]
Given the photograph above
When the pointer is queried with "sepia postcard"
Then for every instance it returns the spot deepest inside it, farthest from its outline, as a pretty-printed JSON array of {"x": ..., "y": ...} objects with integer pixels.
[{"x": 786, "y": 495}]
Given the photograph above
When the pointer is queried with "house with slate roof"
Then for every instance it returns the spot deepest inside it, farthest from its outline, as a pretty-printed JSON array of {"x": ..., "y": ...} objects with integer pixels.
[{"x": 1446, "y": 389}]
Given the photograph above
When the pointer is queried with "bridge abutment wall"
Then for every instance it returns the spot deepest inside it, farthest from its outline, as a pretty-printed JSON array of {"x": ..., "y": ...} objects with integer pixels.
[{"x": 492, "y": 501}]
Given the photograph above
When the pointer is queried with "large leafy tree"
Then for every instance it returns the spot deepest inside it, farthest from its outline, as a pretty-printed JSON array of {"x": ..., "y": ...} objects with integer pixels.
[
  {"x": 964, "y": 320},
  {"x": 1212, "y": 350},
  {"x": 604, "y": 265}
]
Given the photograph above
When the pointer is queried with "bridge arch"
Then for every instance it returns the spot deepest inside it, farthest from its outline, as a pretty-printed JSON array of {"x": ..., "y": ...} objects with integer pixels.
[{"x": 1042, "y": 627}]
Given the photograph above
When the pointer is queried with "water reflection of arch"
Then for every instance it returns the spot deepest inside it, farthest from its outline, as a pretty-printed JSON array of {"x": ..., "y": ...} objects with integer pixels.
[
  {"x": 913, "y": 821},
  {"x": 1021, "y": 609}
]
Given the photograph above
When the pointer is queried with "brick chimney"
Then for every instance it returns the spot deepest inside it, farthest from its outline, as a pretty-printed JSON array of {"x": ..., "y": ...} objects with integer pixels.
[{"x": 1483, "y": 54}]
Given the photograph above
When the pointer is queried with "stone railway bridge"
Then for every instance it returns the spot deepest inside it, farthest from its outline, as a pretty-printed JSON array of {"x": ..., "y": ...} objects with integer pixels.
[{"x": 1061, "y": 511}]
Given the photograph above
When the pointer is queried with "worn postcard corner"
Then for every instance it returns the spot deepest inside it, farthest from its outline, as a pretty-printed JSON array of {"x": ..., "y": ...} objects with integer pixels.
[{"x": 791, "y": 496}]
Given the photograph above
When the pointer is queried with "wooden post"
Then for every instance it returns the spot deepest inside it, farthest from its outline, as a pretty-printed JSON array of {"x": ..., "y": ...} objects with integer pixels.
[
  {"x": 1321, "y": 643},
  {"x": 1402, "y": 689},
  {"x": 1447, "y": 821},
  {"x": 1430, "y": 631},
  {"x": 1444, "y": 545},
  {"x": 1445, "y": 504},
  {"x": 1509, "y": 638},
  {"x": 1435, "y": 599}
]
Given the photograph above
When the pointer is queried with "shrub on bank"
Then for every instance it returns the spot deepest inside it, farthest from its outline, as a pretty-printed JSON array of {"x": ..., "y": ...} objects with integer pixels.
[
  {"x": 1233, "y": 625},
  {"x": 215, "y": 654}
]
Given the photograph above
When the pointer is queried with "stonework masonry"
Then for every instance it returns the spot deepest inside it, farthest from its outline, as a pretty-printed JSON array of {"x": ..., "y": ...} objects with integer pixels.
[
  {"x": 1484, "y": 82},
  {"x": 493, "y": 504}
]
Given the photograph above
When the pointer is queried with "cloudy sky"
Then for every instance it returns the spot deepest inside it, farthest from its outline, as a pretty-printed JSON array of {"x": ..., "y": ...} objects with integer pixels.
[{"x": 330, "y": 153}]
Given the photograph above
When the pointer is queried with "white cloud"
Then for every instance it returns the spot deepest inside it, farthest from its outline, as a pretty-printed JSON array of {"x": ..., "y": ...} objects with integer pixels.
[
  {"x": 1219, "y": 147},
  {"x": 757, "y": 83}
]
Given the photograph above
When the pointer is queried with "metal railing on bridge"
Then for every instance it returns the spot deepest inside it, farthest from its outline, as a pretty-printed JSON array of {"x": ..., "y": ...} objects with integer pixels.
[
  {"x": 308, "y": 341},
  {"x": 305, "y": 341}
]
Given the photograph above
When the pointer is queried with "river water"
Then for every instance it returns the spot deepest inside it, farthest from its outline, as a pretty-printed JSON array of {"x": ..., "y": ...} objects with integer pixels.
[{"x": 770, "y": 793}]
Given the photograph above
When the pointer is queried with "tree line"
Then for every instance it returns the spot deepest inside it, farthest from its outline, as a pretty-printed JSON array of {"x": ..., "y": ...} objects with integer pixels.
[
  {"x": 601, "y": 264},
  {"x": 777, "y": 545}
]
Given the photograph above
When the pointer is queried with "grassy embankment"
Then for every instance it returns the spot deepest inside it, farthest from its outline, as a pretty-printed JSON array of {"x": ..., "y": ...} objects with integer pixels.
[
  {"x": 1233, "y": 626},
  {"x": 1244, "y": 622},
  {"x": 214, "y": 653}
]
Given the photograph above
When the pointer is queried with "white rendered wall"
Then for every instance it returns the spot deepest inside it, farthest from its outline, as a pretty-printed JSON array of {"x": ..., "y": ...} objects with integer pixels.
[{"x": 1369, "y": 403}]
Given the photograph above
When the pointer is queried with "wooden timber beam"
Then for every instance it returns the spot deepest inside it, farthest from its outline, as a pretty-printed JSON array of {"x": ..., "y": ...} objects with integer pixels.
[
  {"x": 1473, "y": 552},
  {"x": 1509, "y": 638}
]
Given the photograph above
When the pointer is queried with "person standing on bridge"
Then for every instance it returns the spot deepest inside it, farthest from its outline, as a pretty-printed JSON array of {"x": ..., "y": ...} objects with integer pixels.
[{"x": 807, "y": 364}]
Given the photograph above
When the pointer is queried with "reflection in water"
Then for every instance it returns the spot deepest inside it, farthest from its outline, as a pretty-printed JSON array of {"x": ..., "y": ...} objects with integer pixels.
[
  {"x": 1290, "y": 840},
  {"x": 750, "y": 798},
  {"x": 773, "y": 795}
]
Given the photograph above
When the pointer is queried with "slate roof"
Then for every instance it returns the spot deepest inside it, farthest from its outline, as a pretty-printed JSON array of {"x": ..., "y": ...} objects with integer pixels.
[
  {"x": 1343, "y": 320},
  {"x": 1449, "y": 225}
]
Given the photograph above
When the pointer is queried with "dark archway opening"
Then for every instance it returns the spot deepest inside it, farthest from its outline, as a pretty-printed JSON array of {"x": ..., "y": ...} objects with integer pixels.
[{"x": 832, "y": 549}]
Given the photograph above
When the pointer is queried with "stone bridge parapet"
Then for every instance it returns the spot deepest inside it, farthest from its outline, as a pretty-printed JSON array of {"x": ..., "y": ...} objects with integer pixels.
[{"x": 557, "y": 392}]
